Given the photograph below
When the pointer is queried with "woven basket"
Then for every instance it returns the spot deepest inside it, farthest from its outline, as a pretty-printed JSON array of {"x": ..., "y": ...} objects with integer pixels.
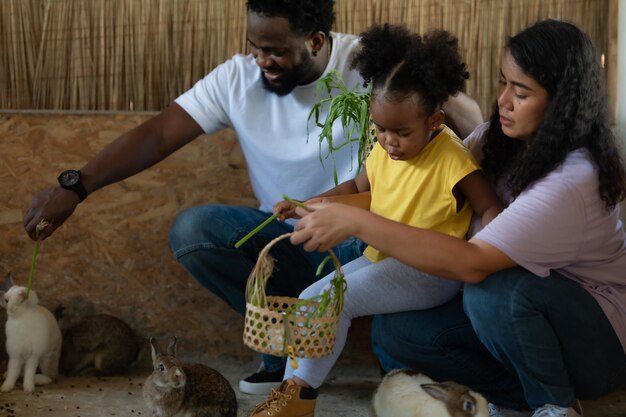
[{"x": 287, "y": 325}]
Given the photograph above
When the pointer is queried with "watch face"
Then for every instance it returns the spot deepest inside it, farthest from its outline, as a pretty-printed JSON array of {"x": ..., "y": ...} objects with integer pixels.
[{"x": 69, "y": 178}]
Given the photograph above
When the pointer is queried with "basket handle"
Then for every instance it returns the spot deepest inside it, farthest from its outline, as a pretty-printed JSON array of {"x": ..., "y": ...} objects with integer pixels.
[{"x": 257, "y": 281}]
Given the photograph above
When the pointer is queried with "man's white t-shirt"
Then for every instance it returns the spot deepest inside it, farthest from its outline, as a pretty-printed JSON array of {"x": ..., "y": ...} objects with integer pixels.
[{"x": 272, "y": 129}]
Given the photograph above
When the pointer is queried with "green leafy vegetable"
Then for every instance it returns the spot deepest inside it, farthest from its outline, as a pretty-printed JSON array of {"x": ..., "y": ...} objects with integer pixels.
[{"x": 351, "y": 108}]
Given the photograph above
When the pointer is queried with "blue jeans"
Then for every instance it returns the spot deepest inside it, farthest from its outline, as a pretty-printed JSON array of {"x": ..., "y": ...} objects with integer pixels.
[
  {"x": 203, "y": 237},
  {"x": 520, "y": 340}
]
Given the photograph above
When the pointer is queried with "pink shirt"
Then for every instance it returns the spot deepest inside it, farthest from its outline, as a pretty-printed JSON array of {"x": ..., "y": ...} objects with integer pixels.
[{"x": 560, "y": 223}]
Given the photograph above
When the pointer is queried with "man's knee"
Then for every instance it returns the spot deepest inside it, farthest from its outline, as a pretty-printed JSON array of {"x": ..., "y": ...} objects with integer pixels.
[
  {"x": 200, "y": 225},
  {"x": 183, "y": 229}
]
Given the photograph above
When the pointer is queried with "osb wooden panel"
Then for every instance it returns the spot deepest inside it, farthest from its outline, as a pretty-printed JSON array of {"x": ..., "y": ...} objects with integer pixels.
[{"x": 111, "y": 256}]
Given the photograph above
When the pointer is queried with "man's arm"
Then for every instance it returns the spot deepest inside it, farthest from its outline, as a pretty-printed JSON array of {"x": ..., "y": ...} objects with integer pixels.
[
  {"x": 132, "y": 152},
  {"x": 140, "y": 148}
]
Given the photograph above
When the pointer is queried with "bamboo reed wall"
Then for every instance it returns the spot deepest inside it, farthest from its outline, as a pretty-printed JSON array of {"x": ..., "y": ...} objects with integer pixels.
[{"x": 140, "y": 54}]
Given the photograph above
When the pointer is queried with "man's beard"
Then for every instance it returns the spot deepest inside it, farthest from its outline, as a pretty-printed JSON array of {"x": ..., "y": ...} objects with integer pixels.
[{"x": 290, "y": 79}]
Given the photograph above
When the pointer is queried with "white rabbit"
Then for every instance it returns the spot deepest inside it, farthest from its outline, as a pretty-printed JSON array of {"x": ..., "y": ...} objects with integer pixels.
[
  {"x": 403, "y": 393},
  {"x": 33, "y": 339}
]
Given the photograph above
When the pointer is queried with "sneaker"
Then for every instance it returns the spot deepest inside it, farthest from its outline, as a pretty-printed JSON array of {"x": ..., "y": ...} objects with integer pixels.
[
  {"x": 497, "y": 411},
  {"x": 262, "y": 382},
  {"x": 550, "y": 410},
  {"x": 290, "y": 400}
]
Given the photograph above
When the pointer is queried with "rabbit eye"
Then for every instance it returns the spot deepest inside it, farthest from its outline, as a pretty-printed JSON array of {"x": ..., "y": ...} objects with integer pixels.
[
  {"x": 468, "y": 406},
  {"x": 161, "y": 367}
]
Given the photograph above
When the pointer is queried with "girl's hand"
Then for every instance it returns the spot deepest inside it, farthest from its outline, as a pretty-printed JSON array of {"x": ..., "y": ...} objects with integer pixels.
[
  {"x": 325, "y": 226},
  {"x": 285, "y": 210},
  {"x": 313, "y": 201}
]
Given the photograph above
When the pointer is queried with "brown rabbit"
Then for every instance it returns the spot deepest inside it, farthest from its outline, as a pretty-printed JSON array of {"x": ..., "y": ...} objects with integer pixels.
[
  {"x": 406, "y": 393},
  {"x": 190, "y": 390},
  {"x": 99, "y": 343}
]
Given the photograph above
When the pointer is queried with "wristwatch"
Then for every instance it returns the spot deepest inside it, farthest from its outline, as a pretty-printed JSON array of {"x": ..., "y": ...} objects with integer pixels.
[{"x": 70, "y": 180}]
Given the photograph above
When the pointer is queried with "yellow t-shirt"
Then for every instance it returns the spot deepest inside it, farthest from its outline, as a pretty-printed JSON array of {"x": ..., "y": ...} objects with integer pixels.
[{"x": 418, "y": 192}]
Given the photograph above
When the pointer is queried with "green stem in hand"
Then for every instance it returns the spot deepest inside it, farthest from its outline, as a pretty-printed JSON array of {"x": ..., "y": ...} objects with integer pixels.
[
  {"x": 268, "y": 220},
  {"x": 295, "y": 203},
  {"x": 255, "y": 230},
  {"x": 40, "y": 226}
]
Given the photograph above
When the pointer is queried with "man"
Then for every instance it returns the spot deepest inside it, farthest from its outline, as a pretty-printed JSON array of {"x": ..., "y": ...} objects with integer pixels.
[{"x": 266, "y": 97}]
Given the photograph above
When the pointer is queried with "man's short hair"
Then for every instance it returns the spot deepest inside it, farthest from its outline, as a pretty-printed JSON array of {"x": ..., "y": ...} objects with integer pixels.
[{"x": 305, "y": 16}]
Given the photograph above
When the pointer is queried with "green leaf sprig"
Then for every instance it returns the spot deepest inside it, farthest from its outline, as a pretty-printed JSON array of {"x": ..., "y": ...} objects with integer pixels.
[
  {"x": 333, "y": 296},
  {"x": 352, "y": 108}
]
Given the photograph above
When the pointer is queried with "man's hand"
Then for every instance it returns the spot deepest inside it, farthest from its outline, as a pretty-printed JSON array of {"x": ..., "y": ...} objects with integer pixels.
[{"x": 54, "y": 205}]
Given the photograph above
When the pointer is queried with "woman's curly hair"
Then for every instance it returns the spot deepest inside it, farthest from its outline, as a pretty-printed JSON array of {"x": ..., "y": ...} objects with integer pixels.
[
  {"x": 399, "y": 64},
  {"x": 305, "y": 16},
  {"x": 562, "y": 59}
]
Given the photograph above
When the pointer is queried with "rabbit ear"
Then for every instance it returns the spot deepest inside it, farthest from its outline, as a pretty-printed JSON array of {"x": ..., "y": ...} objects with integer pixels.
[
  {"x": 171, "y": 348},
  {"x": 437, "y": 391},
  {"x": 8, "y": 282},
  {"x": 154, "y": 348}
]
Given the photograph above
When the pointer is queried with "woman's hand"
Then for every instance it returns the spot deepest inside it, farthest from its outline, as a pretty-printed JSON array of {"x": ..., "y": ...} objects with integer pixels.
[
  {"x": 325, "y": 226},
  {"x": 54, "y": 205}
]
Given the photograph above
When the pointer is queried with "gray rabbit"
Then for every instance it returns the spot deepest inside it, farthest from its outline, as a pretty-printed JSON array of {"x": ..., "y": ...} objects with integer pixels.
[
  {"x": 190, "y": 390},
  {"x": 100, "y": 344}
]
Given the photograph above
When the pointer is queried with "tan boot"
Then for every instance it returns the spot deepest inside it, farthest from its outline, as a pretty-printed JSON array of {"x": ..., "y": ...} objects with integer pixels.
[{"x": 286, "y": 402}]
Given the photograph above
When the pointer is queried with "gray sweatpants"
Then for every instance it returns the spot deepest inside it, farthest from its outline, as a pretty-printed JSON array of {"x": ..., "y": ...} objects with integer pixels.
[{"x": 388, "y": 286}]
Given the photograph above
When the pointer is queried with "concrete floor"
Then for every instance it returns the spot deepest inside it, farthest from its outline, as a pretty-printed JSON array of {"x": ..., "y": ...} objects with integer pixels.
[{"x": 346, "y": 394}]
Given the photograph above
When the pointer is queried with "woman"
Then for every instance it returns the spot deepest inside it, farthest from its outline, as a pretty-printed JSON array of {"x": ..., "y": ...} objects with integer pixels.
[{"x": 542, "y": 319}]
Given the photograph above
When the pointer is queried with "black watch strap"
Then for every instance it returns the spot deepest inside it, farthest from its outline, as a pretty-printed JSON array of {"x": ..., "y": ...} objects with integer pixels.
[{"x": 79, "y": 189}]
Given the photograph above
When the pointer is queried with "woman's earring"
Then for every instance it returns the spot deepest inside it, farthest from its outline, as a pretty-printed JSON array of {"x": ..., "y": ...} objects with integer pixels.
[{"x": 314, "y": 52}]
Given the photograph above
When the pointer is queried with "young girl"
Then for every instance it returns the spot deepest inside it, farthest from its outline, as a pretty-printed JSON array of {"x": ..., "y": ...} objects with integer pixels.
[
  {"x": 419, "y": 173},
  {"x": 543, "y": 318}
]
